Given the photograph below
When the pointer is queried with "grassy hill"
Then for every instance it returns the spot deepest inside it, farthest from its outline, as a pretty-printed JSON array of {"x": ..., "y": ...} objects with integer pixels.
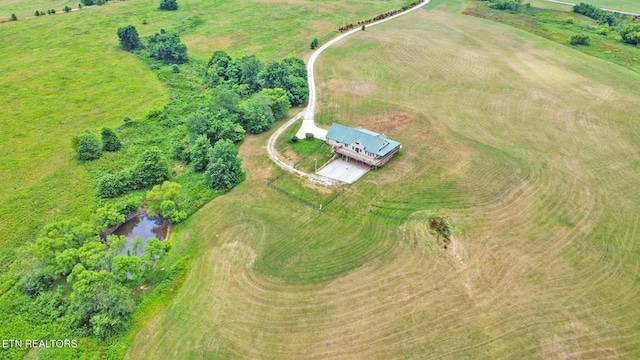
[{"x": 530, "y": 147}]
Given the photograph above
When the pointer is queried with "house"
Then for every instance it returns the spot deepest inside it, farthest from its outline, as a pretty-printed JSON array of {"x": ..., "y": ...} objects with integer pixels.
[{"x": 362, "y": 145}]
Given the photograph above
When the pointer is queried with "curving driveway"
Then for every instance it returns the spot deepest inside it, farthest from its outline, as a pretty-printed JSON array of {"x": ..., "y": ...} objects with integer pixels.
[{"x": 308, "y": 124}]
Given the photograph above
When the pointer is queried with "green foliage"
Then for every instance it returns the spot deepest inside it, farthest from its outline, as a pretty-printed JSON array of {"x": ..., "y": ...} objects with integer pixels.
[
  {"x": 289, "y": 75},
  {"x": 87, "y": 2},
  {"x": 106, "y": 216},
  {"x": 200, "y": 153},
  {"x": 67, "y": 9},
  {"x": 309, "y": 136},
  {"x": 579, "y": 39},
  {"x": 150, "y": 169},
  {"x": 14, "y": 17},
  {"x": 256, "y": 114},
  {"x": 599, "y": 15},
  {"x": 110, "y": 141},
  {"x": 114, "y": 185},
  {"x": 294, "y": 139},
  {"x": 363, "y": 28},
  {"x": 224, "y": 170},
  {"x": 604, "y": 31},
  {"x": 511, "y": 5},
  {"x": 99, "y": 304},
  {"x": 129, "y": 39},
  {"x": 569, "y": 20},
  {"x": 37, "y": 13},
  {"x": 280, "y": 104},
  {"x": 87, "y": 146},
  {"x": 631, "y": 34},
  {"x": 35, "y": 282},
  {"x": 168, "y": 5},
  {"x": 161, "y": 200},
  {"x": 127, "y": 268},
  {"x": 314, "y": 43},
  {"x": 127, "y": 119},
  {"x": 167, "y": 48}
]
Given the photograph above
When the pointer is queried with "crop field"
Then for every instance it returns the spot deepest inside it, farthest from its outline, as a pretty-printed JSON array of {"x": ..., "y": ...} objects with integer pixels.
[{"x": 529, "y": 146}]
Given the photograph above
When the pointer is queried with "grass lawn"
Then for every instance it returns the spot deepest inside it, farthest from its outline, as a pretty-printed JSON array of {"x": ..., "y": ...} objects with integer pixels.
[{"x": 523, "y": 142}]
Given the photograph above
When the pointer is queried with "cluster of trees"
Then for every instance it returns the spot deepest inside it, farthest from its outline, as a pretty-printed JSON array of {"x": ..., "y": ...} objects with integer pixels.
[
  {"x": 163, "y": 199},
  {"x": 510, "y": 5},
  {"x": 98, "y": 276},
  {"x": 162, "y": 46},
  {"x": 151, "y": 169},
  {"x": 599, "y": 15},
  {"x": 88, "y": 147},
  {"x": 37, "y": 13},
  {"x": 631, "y": 34},
  {"x": 247, "y": 75},
  {"x": 93, "y": 2}
]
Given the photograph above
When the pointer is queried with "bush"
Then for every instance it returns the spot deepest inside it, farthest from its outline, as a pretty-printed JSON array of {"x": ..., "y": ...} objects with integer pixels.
[
  {"x": 175, "y": 68},
  {"x": 167, "y": 48},
  {"x": 127, "y": 119},
  {"x": 603, "y": 31},
  {"x": 129, "y": 39},
  {"x": 294, "y": 139},
  {"x": 631, "y": 34},
  {"x": 309, "y": 136},
  {"x": 151, "y": 169},
  {"x": 314, "y": 43},
  {"x": 110, "y": 141},
  {"x": 113, "y": 185},
  {"x": 579, "y": 39},
  {"x": 87, "y": 146},
  {"x": 14, "y": 17},
  {"x": 569, "y": 20},
  {"x": 67, "y": 9},
  {"x": 168, "y": 5}
]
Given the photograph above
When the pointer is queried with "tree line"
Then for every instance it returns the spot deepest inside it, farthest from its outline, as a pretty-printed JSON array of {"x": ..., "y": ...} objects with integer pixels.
[{"x": 380, "y": 17}]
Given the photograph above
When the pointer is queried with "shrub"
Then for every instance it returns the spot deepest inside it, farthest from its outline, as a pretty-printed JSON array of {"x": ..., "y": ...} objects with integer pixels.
[
  {"x": 631, "y": 34},
  {"x": 126, "y": 119},
  {"x": 37, "y": 13},
  {"x": 113, "y": 185},
  {"x": 579, "y": 39},
  {"x": 603, "y": 31},
  {"x": 87, "y": 146},
  {"x": 151, "y": 169},
  {"x": 309, "y": 136},
  {"x": 569, "y": 20},
  {"x": 167, "y": 48},
  {"x": 175, "y": 68},
  {"x": 129, "y": 39},
  {"x": 294, "y": 139},
  {"x": 110, "y": 141},
  {"x": 168, "y": 5},
  {"x": 314, "y": 43},
  {"x": 67, "y": 9},
  {"x": 14, "y": 17}
]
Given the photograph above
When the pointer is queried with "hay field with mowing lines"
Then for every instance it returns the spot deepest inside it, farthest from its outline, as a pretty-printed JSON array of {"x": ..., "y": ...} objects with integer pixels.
[{"x": 529, "y": 146}]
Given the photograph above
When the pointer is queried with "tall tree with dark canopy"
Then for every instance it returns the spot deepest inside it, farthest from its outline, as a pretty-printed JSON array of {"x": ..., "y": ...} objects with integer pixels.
[
  {"x": 224, "y": 170},
  {"x": 129, "y": 39}
]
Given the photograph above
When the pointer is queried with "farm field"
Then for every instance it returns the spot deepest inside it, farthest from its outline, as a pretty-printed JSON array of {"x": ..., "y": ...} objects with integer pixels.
[
  {"x": 529, "y": 146},
  {"x": 54, "y": 86}
]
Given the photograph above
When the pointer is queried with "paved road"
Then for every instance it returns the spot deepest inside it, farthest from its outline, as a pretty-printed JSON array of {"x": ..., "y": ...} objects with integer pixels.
[{"x": 308, "y": 125}]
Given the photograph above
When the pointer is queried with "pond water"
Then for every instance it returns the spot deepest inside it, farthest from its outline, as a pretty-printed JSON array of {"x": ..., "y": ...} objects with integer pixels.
[{"x": 142, "y": 227}]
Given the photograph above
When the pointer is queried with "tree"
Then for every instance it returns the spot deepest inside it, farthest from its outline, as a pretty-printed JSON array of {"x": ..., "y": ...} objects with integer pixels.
[
  {"x": 37, "y": 13},
  {"x": 314, "y": 43},
  {"x": 631, "y": 34},
  {"x": 129, "y": 39},
  {"x": 67, "y": 9},
  {"x": 274, "y": 75},
  {"x": 87, "y": 146},
  {"x": 167, "y": 48},
  {"x": 114, "y": 185},
  {"x": 256, "y": 114},
  {"x": 160, "y": 193},
  {"x": 110, "y": 141},
  {"x": 200, "y": 153},
  {"x": 168, "y": 5},
  {"x": 98, "y": 303},
  {"x": 87, "y": 2},
  {"x": 127, "y": 268},
  {"x": 280, "y": 104},
  {"x": 224, "y": 170},
  {"x": 14, "y": 17},
  {"x": 248, "y": 68},
  {"x": 151, "y": 169}
]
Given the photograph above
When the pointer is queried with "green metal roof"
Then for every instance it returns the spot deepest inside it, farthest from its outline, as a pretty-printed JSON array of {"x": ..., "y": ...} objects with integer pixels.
[{"x": 371, "y": 141}]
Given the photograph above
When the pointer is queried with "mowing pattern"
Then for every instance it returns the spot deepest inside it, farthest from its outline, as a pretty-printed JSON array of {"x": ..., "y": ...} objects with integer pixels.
[{"x": 531, "y": 148}]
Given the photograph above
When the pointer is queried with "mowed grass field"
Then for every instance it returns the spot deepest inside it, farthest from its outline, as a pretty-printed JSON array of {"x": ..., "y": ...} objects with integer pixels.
[
  {"x": 66, "y": 72},
  {"x": 529, "y": 146}
]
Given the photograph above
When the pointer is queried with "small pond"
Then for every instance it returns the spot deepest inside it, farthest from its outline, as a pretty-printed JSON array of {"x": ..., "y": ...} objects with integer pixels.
[{"x": 143, "y": 227}]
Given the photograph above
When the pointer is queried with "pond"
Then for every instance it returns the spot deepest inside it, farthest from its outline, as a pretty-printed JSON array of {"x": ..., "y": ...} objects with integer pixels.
[{"x": 143, "y": 227}]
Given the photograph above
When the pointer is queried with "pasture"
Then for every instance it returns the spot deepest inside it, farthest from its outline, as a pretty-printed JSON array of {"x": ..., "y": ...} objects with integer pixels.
[
  {"x": 530, "y": 147},
  {"x": 56, "y": 85}
]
